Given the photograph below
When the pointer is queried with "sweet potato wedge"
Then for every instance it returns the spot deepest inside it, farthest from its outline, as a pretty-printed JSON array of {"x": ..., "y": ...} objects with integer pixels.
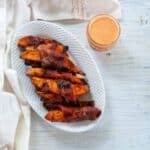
[
  {"x": 58, "y": 61},
  {"x": 31, "y": 55},
  {"x": 50, "y": 96},
  {"x": 52, "y": 74}
]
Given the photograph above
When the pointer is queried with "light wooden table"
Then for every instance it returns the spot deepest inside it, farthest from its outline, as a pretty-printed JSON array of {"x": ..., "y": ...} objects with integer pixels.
[{"x": 126, "y": 74}]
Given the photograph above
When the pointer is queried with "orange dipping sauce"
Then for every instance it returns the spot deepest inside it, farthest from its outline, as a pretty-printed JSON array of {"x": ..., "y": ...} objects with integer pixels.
[{"x": 103, "y": 31}]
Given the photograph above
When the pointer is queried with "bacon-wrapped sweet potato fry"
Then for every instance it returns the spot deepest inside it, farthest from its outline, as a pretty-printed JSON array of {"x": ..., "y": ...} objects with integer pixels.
[
  {"x": 53, "y": 74},
  {"x": 72, "y": 114},
  {"x": 31, "y": 42},
  {"x": 58, "y": 61},
  {"x": 55, "y": 85},
  {"x": 52, "y": 104},
  {"x": 51, "y": 59},
  {"x": 69, "y": 91}
]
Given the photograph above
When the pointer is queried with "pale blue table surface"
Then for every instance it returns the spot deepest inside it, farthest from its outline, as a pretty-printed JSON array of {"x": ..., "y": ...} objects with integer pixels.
[{"x": 126, "y": 73}]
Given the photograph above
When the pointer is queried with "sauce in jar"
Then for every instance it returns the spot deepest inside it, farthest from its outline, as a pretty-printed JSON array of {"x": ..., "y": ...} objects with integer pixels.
[{"x": 103, "y": 31}]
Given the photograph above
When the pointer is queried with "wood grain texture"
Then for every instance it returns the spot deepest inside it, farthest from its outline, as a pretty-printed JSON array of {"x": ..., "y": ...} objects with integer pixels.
[{"x": 126, "y": 73}]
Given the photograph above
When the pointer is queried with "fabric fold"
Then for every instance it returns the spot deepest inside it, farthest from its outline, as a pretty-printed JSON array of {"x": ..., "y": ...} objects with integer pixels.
[
  {"x": 17, "y": 13},
  {"x": 9, "y": 119},
  {"x": 75, "y": 9},
  {"x": 2, "y": 39}
]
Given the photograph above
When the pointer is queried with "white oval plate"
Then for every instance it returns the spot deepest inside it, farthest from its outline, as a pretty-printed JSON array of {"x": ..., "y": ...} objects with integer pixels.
[{"x": 82, "y": 58}]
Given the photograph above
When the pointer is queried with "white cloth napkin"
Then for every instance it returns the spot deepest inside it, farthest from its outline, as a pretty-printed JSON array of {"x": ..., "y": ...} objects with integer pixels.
[
  {"x": 20, "y": 11},
  {"x": 73, "y": 9},
  {"x": 13, "y": 125},
  {"x": 23, "y": 129},
  {"x": 9, "y": 117},
  {"x": 2, "y": 39}
]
